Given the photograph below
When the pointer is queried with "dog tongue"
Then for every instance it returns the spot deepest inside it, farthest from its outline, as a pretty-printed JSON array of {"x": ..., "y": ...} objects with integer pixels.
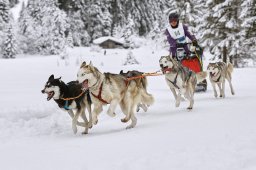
[
  {"x": 167, "y": 69},
  {"x": 49, "y": 96}
]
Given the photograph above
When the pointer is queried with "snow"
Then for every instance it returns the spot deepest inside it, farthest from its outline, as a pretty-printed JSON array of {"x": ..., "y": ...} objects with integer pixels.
[{"x": 36, "y": 134}]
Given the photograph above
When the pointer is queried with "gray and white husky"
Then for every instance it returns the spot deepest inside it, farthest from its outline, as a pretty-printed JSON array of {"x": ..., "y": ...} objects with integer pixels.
[
  {"x": 142, "y": 83},
  {"x": 181, "y": 80},
  {"x": 70, "y": 98},
  {"x": 113, "y": 89},
  {"x": 218, "y": 72}
]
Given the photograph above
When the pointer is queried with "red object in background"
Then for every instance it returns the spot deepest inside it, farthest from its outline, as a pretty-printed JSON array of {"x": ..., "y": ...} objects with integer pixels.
[{"x": 192, "y": 64}]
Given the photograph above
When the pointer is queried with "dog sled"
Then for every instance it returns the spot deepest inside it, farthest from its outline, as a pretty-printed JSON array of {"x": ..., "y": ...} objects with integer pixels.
[{"x": 192, "y": 61}]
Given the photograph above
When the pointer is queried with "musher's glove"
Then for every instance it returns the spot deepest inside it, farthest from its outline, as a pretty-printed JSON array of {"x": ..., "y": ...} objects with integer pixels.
[{"x": 194, "y": 42}]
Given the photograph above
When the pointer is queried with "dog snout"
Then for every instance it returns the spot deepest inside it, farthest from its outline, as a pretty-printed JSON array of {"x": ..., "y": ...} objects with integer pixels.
[
  {"x": 43, "y": 91},
  {"x": 161, "y": 65}
]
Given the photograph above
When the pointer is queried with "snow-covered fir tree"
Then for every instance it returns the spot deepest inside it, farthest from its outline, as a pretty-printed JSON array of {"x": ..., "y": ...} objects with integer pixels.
[
  {"x": 221, "y": 29},
  {"x": 130, "y": 59},
  {"x": 77, "y": 30},
  {"x": 4, "y": 11},
  {"x": 248, "y": 17},
  {"x": 103, "y": 17},
  {"x": 4, "y": 21},
  {"x": 13, "y": 3},
  {"x": 9, "y": 47},
  {"x": 43, "y": 27}
]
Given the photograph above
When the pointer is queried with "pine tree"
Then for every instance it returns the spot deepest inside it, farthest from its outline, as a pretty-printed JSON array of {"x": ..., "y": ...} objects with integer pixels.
[
  {"x": 4, "y": 21},
  {"x": 248, "y": 17},
  {"x": 222, "y": 28},
  {"x": 77, "y": 30},
  {"x": 104, "y": 17},
  {"x": 9, "y": 50},
  {"x": 4, "y": 11},
  {"x": 13, "y": 3},
  {"x": 43, "y": 26},
  {"x": 130, "y": 59}
]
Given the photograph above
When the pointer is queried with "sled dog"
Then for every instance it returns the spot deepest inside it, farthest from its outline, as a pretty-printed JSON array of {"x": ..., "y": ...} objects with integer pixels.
[
  {"x": 181, "y": 80},
  {"x": 142, "y": 83},
  {"x": 113, "y": 89},
  {"x": 218, "y": 72},
  {"x": 70, "y": 98}
]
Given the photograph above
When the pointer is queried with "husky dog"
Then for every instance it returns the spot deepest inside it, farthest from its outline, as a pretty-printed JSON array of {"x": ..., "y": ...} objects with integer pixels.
[
  {"x": 180, "y": 79},
  {"x": 113, "y": 89},
  {"x": 142, "y": 83},
  {"x": 70, "y": 97},
  {"x": 218, "y": 72}
]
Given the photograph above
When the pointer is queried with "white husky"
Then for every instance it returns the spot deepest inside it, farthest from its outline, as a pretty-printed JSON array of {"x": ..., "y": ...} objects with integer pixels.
[
  {"x": 113, "y": 89},
  {"x": 218, "y": 72},
  {"x": 180, "y": 79}
]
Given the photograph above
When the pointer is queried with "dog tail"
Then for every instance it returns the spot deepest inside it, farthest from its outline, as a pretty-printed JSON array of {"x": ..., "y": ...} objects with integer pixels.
[
  {"x": 144, "y": 82},
  {"x": 230, "y": 67},
  {"x": 147, "y": 98},
  {"x": 200, "y": 76}
]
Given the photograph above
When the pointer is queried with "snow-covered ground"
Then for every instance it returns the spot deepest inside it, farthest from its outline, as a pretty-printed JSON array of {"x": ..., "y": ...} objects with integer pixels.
[{"x": 219, "y": 134}]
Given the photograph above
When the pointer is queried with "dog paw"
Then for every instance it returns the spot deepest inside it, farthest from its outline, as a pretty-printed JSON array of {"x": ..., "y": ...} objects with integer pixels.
[
  {"x": 189, "y": 108},
  {"x": 95, "y": 121},
  {"x": 129, "y": 127},
  {"x": 124, "y": 120},
  {"x": 222, "y": 96},
  {"x": 85, "y": 132},
  {"x": 90, "y": 125}
]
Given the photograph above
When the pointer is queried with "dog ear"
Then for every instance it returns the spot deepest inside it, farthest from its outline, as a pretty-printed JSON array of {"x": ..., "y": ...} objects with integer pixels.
[
  {"x": 51, "y": 77},
  {"x": 169, "y": 57},
  {"x": 83, "y": 64},
  {"x": 90, "y": 63}
]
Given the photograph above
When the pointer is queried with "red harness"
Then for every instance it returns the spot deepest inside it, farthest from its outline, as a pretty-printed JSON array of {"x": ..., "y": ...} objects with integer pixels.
[{"x": 99, "y": 95}]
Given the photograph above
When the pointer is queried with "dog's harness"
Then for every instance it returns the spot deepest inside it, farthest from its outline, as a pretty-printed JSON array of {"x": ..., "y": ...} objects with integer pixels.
[
  {"x": 70, "y": 98},
  {"x": 174, "y": 83},
  {"x": 217, "y": 79},
  {"x": 66, "y": 105},
  {"x": 219, "y": 75},
  {"x": 99, "y": 95}
]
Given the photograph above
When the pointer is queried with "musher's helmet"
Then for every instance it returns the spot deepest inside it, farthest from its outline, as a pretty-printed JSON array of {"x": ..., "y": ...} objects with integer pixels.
[{"x": 173, "y": 17}]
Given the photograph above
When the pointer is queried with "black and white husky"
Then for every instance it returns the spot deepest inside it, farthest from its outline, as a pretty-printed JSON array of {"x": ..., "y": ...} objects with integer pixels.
[{"x": 70, "y": 98}]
